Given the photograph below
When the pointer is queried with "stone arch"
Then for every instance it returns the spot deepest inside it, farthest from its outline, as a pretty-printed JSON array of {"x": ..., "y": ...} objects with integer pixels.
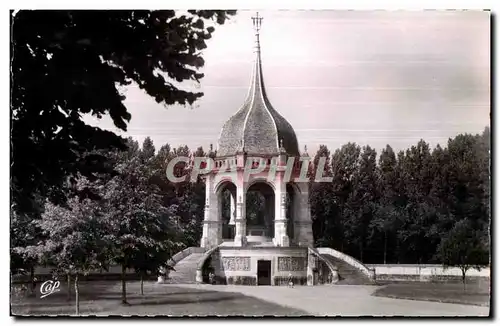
[
  {"x": 225, "y": 194},
  {"x": 295, "y": 187},
  {"x": 257, "y": 180},
  {"x": 223, "y": 184},
  {"x": 260, "y": 228}
]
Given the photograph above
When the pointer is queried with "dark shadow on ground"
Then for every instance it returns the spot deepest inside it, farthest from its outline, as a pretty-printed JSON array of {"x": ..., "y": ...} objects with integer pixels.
[{"x": 104, "y": 298}]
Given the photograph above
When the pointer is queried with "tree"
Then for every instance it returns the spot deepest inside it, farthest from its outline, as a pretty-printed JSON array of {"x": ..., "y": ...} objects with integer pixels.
[
  {"x": 386, "y": 210},
  {"x": 462, "y": 247},
  {"x": 66, "y": 64},
  {"x": 138, "y": 224},
  {"x": 24, "y": 232},
  {"x": 361, "y": 204},
  {"x": 345, "y": 163},
  {"x": 320, "y": 198},
  {"x": 76, "y": 242},
  {"x": 415, "y": 170},
  {"x": 148, "y": 149}
]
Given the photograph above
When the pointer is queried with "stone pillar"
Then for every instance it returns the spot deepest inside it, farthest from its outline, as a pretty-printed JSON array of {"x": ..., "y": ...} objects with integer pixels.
[
  {"x": 162, "y": 277},
  {"x": 232, "y": 212},
  {"x": 240, "y": 237},
  {"x": 199, "y": 276},
  {"x": 303, "y": 234},
  {"x": 311, "y": 265},
  {"x": 280, "y": 237},
  {"x": 211, "y": 221}
]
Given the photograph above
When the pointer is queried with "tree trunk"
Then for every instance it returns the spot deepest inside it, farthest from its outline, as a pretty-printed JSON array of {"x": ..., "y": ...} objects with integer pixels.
[
  {"x": 463, "y": 278},
  {"x": 142, "y": 283},
  {"x": 397, "y": 251},
  {"x": 124, "y": 286},
  {"x": 385, "y": 247},
  {"x": 361, "y": 252},
  {"x": 32, "y": 280},
  {"x": 68, "y": 282},
  {"x": 77, "y": 295}
]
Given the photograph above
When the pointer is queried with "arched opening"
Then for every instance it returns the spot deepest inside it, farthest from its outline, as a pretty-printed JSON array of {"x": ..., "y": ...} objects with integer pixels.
[
  {"x": 260, "y": 212},
  {"x": 226, "y": 196}
]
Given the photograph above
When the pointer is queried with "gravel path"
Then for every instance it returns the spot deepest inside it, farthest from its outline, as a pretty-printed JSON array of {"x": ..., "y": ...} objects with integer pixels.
[{"x": 346, "y": 300}]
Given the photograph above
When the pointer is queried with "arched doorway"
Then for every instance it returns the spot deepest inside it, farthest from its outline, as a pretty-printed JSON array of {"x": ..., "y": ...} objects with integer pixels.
[{"x": 260, "y": 212}]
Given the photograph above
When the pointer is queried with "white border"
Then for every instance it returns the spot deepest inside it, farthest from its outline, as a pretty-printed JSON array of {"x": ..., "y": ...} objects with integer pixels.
[{"x": 146, "y": 4}]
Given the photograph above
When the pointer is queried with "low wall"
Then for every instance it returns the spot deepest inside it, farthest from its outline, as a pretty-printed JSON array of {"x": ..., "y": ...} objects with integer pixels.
[{"x": 424, "y": 273}]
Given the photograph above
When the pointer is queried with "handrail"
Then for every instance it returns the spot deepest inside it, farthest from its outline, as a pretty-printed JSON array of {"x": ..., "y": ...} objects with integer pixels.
[
  {"x": 205, "y": 256},
  {"x": 183, "y": 254},
  {"x": 201, "y": 262},
  {"x": 348, "y": 259},
  {"x": 328, "y": 263}
]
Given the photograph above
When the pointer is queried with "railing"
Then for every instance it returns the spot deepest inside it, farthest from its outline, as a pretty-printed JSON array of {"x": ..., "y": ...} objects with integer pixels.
[
  {"x": 183, "y": 254},
  {"x": 201, "y": 262},
  {"x": 349, "y": 260},
  {"x": 332, "y": 267}
]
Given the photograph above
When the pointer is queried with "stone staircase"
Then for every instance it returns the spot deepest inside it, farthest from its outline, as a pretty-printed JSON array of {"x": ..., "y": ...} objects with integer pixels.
[
  {"x": 348, "y": 274},
  {"x": 185, "y": 270}
]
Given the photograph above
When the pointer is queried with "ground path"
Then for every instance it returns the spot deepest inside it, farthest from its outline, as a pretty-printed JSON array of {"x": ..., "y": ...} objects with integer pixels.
[{"x": 344, "y": 300}]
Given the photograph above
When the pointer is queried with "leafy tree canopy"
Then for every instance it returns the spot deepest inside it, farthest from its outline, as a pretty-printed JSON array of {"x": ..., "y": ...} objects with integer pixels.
[{"x": 69, "y": 63}]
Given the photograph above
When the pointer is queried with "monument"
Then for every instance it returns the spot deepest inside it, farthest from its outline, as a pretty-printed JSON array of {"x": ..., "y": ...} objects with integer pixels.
[
  {"x": 257, "y": 227},
  {"x": 277, "y": 247}
]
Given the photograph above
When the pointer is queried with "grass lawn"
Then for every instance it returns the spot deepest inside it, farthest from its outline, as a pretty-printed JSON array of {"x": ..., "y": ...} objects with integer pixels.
[
  {"x": 104, "y": 298},
  {"x": 475, "y": 294}
]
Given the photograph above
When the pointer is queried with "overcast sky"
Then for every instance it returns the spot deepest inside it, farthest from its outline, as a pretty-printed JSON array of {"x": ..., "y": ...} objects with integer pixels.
[{"x": 370, "y": 77}]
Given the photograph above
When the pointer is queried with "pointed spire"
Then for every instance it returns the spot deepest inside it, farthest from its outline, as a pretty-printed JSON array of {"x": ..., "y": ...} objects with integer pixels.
[
  {"x": 239, "y": 133},
  {"x": 282, "y": 148},
  {"x": 257, "y": 22},
  {"x": 305, "y": 153},
  {"x": 257, "y": 85}
]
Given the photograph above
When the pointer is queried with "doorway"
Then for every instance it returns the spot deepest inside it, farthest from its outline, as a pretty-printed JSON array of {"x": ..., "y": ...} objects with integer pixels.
[{"x": 264, "y": 272}]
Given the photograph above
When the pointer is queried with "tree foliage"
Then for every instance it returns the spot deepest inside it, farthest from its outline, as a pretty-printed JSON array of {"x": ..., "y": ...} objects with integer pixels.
[
  {"x": 399, "y": 209},
  {"x": 462, "y": 248},
  {"x": 66, "y": 64}
]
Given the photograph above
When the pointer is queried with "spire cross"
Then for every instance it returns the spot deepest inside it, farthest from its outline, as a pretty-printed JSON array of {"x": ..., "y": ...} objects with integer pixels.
[{"x": 257, "y": 22}]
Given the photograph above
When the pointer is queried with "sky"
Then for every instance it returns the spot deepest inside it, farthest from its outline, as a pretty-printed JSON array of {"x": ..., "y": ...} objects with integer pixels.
[{"x": 370, "y": 77}]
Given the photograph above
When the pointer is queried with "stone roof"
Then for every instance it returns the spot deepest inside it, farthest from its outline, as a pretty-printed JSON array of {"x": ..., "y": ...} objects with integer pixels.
[{"x": 257, "y": 128}]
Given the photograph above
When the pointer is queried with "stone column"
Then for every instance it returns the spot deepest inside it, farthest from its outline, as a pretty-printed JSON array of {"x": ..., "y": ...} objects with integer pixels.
[
  {"x": 303, "y": 224},
  {"x": 232, "y": 212},
  {"x": 310, "y": 268},
  {"x": 280, "y": 237},
  {"x": 211, "y": 221},
  {"x": 240, "y": 237}
]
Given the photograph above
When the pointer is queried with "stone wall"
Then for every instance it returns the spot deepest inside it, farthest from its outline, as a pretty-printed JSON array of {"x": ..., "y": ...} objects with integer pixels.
[
  {"x": 424, "y": 273},
  {"x": 239, "y": 266}
]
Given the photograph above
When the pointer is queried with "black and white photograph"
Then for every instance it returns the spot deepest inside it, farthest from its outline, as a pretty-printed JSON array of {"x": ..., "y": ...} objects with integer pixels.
[{"x": 250, "y": 163}]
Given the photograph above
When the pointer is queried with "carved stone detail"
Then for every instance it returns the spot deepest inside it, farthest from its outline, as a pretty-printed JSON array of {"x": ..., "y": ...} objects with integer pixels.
[
  {"x": 291, "y": 264},
  {"x": 236, "y": 263}
]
